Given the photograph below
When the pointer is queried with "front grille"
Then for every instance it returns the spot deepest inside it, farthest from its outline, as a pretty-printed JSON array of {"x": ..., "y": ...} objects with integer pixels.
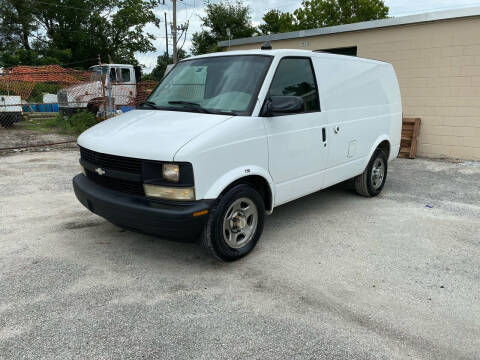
[
  {"x": 130, "y": 187},
  {"x": 112, "y": 162}
]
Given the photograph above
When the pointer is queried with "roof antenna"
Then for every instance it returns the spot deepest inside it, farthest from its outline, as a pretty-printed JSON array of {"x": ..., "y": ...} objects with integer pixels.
[{"x": 266, "y": 46}]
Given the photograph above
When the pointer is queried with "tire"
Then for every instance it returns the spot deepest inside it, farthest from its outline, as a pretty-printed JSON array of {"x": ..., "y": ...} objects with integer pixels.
[
  {"x": 235, "y": 224},
  {"x": 7, "y": 120},
  {"x": 371, "y": 182},
  {"x": 92, "y": 108}
]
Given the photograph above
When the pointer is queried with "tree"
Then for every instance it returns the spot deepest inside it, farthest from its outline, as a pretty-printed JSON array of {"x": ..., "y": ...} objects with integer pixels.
[
  {"x": 276, "y": 21},
  {"x": 17, "y": 23},
  {"x": 219, "y": 17},
  {"x": 82, "y": 28},
  {"x": 162, "y": 62},
  {"x": 321, "y": 13}
]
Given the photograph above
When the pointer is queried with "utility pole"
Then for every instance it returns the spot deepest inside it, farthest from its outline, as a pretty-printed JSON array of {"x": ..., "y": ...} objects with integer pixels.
[
  {"x": 174, "y": 31},
  {"x": 166, "y": 32}
]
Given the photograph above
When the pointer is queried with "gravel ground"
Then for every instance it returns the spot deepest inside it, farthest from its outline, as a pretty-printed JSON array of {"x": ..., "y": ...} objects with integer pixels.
[
  {"x": 334, "y": 275},
  {"x": 19, "y": 137}
]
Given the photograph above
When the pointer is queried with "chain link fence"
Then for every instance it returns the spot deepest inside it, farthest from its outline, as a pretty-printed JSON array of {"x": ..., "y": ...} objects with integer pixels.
[{"x": 44, "y": 91}]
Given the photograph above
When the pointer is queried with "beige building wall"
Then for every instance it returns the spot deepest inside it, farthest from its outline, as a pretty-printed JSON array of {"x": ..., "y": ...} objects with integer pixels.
[{"x": 438, "y": 67}]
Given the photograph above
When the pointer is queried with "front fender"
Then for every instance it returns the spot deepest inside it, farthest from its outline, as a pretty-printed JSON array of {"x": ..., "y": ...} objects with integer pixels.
[{"x": 235, "y": 174}]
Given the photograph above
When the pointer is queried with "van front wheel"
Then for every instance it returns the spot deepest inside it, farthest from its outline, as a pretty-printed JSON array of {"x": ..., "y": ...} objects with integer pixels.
[
  {"x": 235, "y": 224},
  {"x": 370, "y": 183}
]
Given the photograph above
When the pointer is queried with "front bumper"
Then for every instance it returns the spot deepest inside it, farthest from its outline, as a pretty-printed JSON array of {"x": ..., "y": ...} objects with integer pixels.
[{"x": 141, "y": 214}]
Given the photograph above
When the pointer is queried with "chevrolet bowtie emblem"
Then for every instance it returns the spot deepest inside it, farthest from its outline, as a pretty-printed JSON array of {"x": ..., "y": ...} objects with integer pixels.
[{"x": 100, "y": 171}]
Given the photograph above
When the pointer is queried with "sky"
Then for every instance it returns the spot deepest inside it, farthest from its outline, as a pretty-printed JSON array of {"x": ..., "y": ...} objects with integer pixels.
[{"x": 190, "y": 10}]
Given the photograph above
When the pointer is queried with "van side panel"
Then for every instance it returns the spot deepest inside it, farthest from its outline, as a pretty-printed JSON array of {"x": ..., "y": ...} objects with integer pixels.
[{"x": 362, "y": 102}]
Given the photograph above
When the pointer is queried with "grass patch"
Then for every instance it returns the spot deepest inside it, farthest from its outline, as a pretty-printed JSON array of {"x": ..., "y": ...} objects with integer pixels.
[
  {"x": 42, "y": 125},
  {"x": 70, "y": 125}
]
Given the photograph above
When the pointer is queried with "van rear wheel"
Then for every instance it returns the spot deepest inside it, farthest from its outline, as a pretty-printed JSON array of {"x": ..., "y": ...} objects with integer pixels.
[
  {"x": 370, "y": 183},
  {"x": 235, "y": 224}
]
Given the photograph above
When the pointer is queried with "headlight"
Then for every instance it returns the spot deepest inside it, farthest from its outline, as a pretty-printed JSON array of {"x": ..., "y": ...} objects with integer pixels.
[
  {"x": 169, "y": 193},
  {"x": 171, "y": 172}
]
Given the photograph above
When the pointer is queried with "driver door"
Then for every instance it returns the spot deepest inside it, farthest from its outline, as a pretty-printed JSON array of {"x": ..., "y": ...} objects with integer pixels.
[
  {"x": 123, "y": 85},
  {"x": 296, "y": 142}
]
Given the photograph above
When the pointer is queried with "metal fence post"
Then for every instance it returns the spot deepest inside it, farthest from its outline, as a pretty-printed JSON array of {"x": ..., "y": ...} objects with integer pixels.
[{"x": 109, "y": 99}]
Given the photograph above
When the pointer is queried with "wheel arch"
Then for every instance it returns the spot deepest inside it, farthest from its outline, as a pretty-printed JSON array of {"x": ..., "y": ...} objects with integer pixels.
[
  {"x": 258, "y": 178},
  {"x": 382, "y": 142}
]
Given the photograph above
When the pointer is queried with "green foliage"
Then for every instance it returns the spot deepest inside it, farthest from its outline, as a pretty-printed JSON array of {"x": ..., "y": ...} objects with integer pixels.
[
  {"x": 276, "y": 21},
  {"x": 80, "y": 121},
  {"x": 34, "y": 57},
  {"x": 75, "y": 31},
  {"x": 229, "y": 14},
  {"x": 36, "y": 96},
  {"x": 17, "y": 23},
  {"x": 162, "y": 62},
  {"x": 72, "y": 125},
  {"x": 203, "y": 42},
  {"x": 321, "y": 13}
]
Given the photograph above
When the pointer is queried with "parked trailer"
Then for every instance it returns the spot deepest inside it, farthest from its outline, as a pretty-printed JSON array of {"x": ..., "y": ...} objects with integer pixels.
[{"x": 10, "y": 110}]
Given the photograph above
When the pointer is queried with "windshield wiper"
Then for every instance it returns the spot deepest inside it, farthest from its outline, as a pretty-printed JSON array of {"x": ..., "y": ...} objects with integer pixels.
[
  {"x": 151, "y": 104},
  {"x": 190, "y": 104},
  {"x": 224, "y": 112}
]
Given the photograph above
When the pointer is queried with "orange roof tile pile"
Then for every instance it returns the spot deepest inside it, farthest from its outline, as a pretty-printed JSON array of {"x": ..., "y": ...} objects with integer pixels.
[
  {"x": 47, "y": 74},
  {"x": 20, "y": 80}
]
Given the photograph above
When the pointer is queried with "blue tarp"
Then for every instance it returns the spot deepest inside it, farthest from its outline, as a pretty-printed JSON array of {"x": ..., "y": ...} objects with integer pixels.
[
  {"x": 40, "y": 108},
  {"x": 127, "y": 108}
]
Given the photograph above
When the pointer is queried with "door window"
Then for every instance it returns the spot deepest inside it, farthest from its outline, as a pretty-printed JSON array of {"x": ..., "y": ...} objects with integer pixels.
[
  {"x": 295, "y": 77},
  {"x": 125, "y": 75},
  {"x": 113, "y": 75}
]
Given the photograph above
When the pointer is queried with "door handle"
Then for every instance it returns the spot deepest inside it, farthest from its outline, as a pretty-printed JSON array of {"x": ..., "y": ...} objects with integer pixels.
[
  {"x": 336, "y": 129},
  {"x": 324, "y": 137}
]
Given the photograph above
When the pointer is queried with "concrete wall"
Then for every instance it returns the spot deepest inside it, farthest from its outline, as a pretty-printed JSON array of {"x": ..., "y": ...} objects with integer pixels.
[{"x": 438, "y": 66}]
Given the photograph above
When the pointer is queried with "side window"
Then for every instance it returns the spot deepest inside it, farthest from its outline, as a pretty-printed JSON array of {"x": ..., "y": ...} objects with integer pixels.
[
  {"x": 113, "y": 74},
  {"x": 295, "y": 77},
  {"x": 125, "y": 75}
]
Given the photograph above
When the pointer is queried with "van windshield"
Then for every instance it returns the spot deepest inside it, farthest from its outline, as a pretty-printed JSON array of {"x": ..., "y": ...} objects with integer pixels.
[{"x": 221, "y": 84}]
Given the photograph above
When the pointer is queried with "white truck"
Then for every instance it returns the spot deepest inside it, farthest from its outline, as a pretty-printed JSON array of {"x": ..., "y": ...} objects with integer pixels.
[
  {"x": 120, "y": 86},
  {"x": 227, "y": 137}
]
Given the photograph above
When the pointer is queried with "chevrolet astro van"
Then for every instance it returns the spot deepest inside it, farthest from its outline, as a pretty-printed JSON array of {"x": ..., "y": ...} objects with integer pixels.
[{"x": 226, "y": 137}]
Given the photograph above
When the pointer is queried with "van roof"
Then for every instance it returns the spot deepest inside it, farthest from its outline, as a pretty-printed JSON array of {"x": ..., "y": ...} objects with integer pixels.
[{"x": 285, "y": 52}]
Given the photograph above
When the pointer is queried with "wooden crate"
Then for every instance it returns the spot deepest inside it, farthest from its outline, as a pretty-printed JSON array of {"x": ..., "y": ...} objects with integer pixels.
[{"x": 410, "y": 131}]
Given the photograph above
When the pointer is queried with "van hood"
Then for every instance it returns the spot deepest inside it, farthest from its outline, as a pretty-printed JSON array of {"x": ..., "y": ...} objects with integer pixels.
[{"x": 148, "y": 134}]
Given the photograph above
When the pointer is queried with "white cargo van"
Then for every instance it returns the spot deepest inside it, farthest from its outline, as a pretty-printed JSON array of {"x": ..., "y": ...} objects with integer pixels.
[{"x": 227, "y": 137}]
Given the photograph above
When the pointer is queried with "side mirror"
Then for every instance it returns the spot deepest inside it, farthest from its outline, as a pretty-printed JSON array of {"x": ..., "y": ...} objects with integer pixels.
[{"x": 282, "y": 105}]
